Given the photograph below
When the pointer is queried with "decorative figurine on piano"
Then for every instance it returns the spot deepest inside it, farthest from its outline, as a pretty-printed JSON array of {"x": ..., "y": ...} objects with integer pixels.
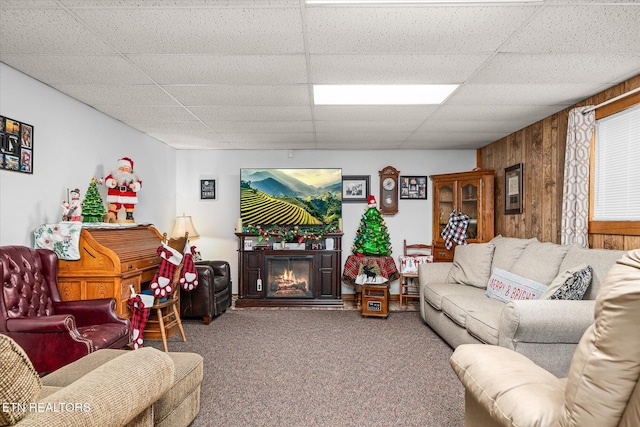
[
  {"x": 123, "y": 185},
  {"x": 72, "y": 210}
]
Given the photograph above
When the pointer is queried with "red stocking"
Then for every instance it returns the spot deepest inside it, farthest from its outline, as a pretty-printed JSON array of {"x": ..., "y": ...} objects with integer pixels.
[
  {"x": 162, "y": 283},
  {"x": 139, "y": 316},
  {"x": 189, "y": 274}
]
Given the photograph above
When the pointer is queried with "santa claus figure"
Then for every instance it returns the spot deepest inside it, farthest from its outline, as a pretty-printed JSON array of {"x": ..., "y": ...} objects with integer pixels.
[{"x": 122, "y": 187}]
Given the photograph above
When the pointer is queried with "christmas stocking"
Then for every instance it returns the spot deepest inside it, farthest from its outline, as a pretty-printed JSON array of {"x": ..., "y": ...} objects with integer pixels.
[
  {"x": 189, "y": 274},
  {"x": 162, "y": 283},
  {"x": 139, "y": 316}
]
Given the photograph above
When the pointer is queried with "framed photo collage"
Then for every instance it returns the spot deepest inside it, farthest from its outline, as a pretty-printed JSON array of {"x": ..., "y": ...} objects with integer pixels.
[{"x": 16, "y": 146}]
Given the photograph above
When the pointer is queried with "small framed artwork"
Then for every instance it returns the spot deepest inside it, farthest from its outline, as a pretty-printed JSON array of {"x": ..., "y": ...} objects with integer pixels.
[
  {"x": 413, "y": 187},
  {"x": 513, "y": 189},
  {"x": 355, "y": 188},
  {"x": 16, "y": 146},
  {"x": 207, "y": 189}
]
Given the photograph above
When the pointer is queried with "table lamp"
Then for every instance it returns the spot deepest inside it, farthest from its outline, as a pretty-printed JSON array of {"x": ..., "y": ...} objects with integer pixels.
[{"x": 184, "y": 224}]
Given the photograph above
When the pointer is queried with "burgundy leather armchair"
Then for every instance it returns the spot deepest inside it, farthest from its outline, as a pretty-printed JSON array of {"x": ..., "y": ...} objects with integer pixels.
[
  {"x": 52, "y": 332},
  {"x": 213, "y": 294}
]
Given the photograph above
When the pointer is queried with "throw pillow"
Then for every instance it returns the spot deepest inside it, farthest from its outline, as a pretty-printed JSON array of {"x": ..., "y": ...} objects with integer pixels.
[
  {"x": 507, "y": 287},
  {"x": 570, "y": 285},
  {"x": 472, "y": 264},
  {"x": 19, "y": 381},
  {"x": 410, "y": 264},
  {"x": 540, "y": 261},
  {"x": 508, "y": 250}
]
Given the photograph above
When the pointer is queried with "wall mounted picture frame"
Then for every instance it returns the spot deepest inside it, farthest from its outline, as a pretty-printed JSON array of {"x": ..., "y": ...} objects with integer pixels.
[
  {"x": 207, "y": 189},
  {"x": 513, "y": 178},
  {"x": 413, "y": 187},
  {"x": 16, "y": 146},
  {"x": 355, "y": 188}
]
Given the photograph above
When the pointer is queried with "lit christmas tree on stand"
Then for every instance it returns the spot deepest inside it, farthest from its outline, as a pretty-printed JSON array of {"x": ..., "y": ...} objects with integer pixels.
[
  {"x": 372, "y": 237},
  {"x": 92, "y": 205}
]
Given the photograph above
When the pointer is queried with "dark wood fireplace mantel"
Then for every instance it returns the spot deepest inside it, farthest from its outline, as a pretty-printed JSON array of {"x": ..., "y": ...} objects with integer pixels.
[{"x": 257, "y": 285}]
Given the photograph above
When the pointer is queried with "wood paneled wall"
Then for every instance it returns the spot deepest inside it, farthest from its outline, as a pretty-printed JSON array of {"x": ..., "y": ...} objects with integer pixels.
[{"x": 540, "y": 147}]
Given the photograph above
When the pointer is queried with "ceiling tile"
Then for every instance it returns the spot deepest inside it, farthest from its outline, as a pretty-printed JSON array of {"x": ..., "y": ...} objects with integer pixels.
[
  {"x": 359, "y": 126},
  {"x": 412, "y": 29},
  {"x": 57, "y": 70},
  {"x": 373, "y": 113},
  {"x": 248, "y": 127},
  {"x": 572, "y": 68},
  {"x": 46, "y": 31},
  {"x": 348, "y": 138},
  {"x": 521, "y": 94},
  {"x": 201, "y": 95},
  {"x": 517, "y": 114},
  {"x": 139, "y": 113},
  {"x": 269, "y": 137},
  {"x": 560, "y": 28},
  {"x": 197, "y": 30},
  {"x": 251, "y": 113},
  {"x": 118, "y": 95},
  {"x": 398, "y": 69},
  {"x": 223, "y": 69}
]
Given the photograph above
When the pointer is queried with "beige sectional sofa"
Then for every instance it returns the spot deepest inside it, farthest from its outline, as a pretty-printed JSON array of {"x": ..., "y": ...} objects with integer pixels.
[
  {"x": 453, "y": 301},
  {"x": 144, "y": 387}
]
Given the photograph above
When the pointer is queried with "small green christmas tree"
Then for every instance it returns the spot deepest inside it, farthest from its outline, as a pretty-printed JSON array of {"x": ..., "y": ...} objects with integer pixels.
[
  {"x": 372, "y": 237},
  {"x": 92, "y": 205}
]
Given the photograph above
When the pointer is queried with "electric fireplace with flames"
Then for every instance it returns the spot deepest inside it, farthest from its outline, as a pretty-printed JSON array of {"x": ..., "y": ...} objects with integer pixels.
[
  {"x": 308, "y": 277},
  {"x": 289, "y": 276}
]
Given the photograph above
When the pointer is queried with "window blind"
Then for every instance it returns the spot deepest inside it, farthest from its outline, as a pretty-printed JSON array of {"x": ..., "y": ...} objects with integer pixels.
[{"x": 617, "y": 167}]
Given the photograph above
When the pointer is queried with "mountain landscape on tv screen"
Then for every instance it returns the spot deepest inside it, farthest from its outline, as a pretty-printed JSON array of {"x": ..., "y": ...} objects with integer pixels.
[{"x": 290, "y": 196}]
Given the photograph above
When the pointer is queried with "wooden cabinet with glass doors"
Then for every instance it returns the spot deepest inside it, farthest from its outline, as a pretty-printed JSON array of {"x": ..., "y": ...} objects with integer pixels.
[{"x": 470, "y": 193}]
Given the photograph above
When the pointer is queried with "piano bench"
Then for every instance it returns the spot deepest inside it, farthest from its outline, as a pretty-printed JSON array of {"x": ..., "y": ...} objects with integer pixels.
[{"x": 212, "y": 296}]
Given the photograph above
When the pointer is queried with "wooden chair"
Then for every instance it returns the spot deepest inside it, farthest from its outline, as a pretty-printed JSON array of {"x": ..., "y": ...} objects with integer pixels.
[
  {"x": 165, "y": 315},
  {"x": 409, "y": 286}
]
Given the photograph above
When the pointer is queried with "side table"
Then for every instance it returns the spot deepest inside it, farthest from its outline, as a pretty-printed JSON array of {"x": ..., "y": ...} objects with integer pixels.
[{"x": 375, "y": 300}]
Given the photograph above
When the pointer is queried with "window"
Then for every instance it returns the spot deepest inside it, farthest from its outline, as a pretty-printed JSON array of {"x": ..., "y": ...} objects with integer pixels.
[{"x": 615, "y": 195}]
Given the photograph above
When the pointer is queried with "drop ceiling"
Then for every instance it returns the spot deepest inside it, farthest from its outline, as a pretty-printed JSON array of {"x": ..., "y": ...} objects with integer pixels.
[{"x": 238, "y": 74}]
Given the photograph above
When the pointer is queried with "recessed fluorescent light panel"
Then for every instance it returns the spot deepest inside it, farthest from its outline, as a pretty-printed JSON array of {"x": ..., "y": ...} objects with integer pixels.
[
  {"x": 416, "y": 1},
  {"x": 381, "y": 94}
]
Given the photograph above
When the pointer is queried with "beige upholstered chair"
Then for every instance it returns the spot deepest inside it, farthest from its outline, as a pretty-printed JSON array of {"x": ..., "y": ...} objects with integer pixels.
[{"x": 504, "y": 388}]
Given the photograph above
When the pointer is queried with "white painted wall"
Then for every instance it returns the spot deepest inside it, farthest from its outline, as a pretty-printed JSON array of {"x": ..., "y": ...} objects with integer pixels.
[
  {"x": 73, "y": 143},
  {"x": 215, "y": 220}
]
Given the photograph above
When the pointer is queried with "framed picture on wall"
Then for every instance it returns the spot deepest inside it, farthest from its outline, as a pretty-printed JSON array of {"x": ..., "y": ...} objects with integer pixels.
[
  {"x": 16, "y": 146},
  {"x": 513, "y": 189},
  {"x": 355, "y": 188},
  {"x": 207, "y": 189},
  {"x": 413, "y": 187}
]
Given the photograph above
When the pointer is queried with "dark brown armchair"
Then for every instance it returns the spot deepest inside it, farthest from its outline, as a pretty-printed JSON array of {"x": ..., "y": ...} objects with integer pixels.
[
  {"x": 213, "y": 294},
  {"x": 53, "y": 333}
]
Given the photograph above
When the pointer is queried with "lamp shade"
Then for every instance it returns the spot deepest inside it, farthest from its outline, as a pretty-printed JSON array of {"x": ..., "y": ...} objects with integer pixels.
[{"x": 183, "y": 225}]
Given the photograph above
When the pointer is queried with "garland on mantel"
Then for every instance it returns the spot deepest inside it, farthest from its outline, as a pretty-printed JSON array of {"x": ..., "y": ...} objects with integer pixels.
[{"x": 292, "y": 233}]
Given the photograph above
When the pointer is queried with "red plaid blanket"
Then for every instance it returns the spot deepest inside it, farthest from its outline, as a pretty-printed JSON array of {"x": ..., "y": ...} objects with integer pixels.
[{"x": 387, "y": 266}]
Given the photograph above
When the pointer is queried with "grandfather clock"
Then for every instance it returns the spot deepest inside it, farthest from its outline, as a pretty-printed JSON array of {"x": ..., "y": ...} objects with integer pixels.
[{"x": 389, "y": 190}]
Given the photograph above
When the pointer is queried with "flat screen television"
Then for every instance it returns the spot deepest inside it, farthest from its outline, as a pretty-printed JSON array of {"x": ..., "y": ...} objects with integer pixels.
[{"x": 290, "y": 196}]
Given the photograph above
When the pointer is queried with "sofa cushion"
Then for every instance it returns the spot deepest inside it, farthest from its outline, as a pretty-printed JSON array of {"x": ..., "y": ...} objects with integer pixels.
[
  {"x": 458, "y": 307},
  {"x": 472, "y": 264},
  {"x": 507, "y": 286},
  {"x": 434, "y": 292},
  {"x": 19, "y": 381},
  {"x": 508, "y": 250},
  {"x": 485, "y": 324},
  {"x": 603, "y": 378},
  {"x": 540, "y": 261},
  {"x": 570, "y": 285},
  {"x": 600, "y": 260}
]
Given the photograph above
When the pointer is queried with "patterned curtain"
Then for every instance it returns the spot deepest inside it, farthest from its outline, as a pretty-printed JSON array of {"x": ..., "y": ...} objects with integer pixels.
[{"x": 575, "y": 200}]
